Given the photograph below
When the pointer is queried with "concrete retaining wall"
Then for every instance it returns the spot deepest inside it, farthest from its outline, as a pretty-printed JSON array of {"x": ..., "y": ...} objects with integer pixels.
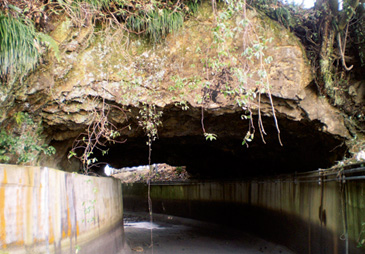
[
  {"x": 304, "y": 214},
  {"x": 43, "y": 210}
]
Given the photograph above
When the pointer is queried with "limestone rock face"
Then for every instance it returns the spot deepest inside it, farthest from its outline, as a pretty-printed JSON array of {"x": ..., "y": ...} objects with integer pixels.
[{"x": 176, "y": 75}]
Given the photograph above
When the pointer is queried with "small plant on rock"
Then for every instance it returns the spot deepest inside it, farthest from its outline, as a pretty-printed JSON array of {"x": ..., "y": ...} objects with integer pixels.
[{"x": 23, "y": 143}]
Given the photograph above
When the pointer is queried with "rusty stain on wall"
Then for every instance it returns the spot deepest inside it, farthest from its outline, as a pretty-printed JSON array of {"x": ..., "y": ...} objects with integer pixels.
[
  {"x": 19, "y": 218},
  {"x": 2, "y": 211},
  {"x": 50, "y": 233},
  {"x": 39, "y": 208}
]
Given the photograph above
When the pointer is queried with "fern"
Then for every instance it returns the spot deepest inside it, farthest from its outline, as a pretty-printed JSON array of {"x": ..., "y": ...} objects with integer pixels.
[
  {"x": 156, "y": 24},
  {"x": 155, "y": 21},
  {"x": 18, "y": 49}
]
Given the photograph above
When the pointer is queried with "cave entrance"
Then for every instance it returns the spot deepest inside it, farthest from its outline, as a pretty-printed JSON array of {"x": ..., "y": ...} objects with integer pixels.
[{"x": 181, "y": 143}]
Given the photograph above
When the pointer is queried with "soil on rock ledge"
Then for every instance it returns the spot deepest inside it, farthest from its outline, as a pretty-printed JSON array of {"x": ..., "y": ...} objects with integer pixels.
[{"x": 161, "y": 172}]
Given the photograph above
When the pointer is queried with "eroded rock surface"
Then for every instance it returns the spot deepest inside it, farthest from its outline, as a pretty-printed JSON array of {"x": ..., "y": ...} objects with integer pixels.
[{"x": 126, "y": 71}]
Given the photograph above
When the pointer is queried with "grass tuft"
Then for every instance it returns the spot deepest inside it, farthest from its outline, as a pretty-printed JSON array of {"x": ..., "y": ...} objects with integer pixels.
[
  {"x": 19, "y": 48},
  {"x": 158, "y": 23}
]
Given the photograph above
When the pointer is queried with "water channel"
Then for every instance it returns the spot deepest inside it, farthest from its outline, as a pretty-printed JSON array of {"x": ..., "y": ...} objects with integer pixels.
[
  {"x": 321, "y": 211},
  {"x": 43, "y": 210},
  {"x": 171, "y": 234}
]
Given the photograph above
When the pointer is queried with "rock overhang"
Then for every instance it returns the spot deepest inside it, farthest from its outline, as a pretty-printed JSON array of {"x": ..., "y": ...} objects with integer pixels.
[
  {"x": 98, "y": 72},
  {"x": 181, "y": 142}
]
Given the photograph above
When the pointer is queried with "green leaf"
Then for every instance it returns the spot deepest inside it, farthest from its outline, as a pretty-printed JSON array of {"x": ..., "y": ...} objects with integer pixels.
[
  {"x": 71, "y": 154},
  {"x": 210, "y": 136},
  {"x": 15, "y": 8}
]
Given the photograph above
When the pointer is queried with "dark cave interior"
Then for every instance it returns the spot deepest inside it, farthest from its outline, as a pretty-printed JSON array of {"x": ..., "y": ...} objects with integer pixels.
[{"x": 181, "y": 143}]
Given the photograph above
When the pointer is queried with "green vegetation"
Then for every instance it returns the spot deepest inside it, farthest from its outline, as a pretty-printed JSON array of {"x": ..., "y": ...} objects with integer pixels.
[
  {"x": 156, "y": 24},
  {"x": 221, "y": 69},
  {"x": 21, "y": 46},
  {"x": 21, "y": 145},
  {"x": 149, "y": 119},
  {"x": 210, "y": 136},
  {"x": 333, "y": 38},
  {"x": 20, "y": 50},
  {"x": 154, "y": 19},
  {"x": 89, "y": 205},
  {"x": 361, "y": 239}
]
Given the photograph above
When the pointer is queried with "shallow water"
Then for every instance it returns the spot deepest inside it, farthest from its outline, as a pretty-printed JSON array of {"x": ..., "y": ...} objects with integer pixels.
[
  {"x": 142, "y": 225},
  {"x": 176, "y": 235}
]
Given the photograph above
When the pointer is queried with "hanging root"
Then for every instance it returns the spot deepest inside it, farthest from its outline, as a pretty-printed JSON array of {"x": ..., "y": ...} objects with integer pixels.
[{"x": 343, "y": 48}]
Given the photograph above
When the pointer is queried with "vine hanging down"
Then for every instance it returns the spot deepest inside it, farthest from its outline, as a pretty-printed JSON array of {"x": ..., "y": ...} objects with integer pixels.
[
  {"x": 149, "y": 119},
  {"x": 223, "y": 69},
  {"x": 97, "y": 136}
]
